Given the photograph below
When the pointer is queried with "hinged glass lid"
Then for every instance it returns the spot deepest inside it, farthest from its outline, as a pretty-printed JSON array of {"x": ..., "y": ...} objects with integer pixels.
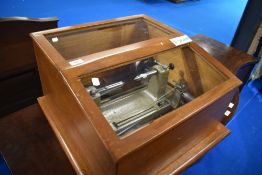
[
  {"x": 135, "y": 94},
  {"x": 89, "y": 40}
]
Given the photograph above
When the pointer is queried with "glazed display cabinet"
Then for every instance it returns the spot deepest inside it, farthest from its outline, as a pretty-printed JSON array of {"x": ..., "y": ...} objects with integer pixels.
[{"x": 131, "y": 96}]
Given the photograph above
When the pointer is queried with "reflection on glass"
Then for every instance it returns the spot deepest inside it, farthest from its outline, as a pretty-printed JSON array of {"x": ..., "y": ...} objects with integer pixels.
[
  {"x": 86, "y": 41},
  {"x": 133, "y": 95}
]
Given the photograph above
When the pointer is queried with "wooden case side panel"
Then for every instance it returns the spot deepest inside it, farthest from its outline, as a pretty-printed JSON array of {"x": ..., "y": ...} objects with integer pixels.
[
  {"x": 168, "y": 148},
  {"x": 85, "y": 150}
]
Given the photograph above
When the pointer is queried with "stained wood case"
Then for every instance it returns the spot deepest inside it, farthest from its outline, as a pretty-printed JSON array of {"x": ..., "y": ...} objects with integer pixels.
[{"x": 123, "y": 99}]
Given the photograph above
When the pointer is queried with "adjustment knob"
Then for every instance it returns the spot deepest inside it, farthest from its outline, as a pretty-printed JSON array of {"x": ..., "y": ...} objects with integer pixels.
[{"x": 171, "y": 66}]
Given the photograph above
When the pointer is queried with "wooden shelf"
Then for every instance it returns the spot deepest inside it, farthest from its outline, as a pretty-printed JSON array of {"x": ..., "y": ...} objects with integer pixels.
[{"x": 197, "y": 150}]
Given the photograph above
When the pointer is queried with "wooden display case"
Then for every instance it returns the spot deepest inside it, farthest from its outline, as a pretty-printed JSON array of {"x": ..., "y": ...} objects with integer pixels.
[{"x": 123, "y": 99}]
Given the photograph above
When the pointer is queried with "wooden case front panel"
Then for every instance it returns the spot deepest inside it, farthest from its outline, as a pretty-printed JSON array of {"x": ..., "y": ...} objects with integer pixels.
[
  {"x": 77, "y": 135},
  {"x": 155, "y": 156}
]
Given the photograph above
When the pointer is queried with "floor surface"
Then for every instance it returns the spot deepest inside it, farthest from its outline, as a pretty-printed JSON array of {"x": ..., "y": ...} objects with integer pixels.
[{"x": 217, "y": 19}]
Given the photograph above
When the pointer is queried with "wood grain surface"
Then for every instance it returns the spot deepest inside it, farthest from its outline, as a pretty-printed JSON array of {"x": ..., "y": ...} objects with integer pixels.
[
  {"x": 19, "y": 79},
  {"x": 30, "y": 146}
]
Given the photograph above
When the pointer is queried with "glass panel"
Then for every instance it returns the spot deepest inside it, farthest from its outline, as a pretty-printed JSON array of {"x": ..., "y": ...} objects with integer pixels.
[
  {"x": 133, "y": 95},
  {"x": 90, "y": 40}
]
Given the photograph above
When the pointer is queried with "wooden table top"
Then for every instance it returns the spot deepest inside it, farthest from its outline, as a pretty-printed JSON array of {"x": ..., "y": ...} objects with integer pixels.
[{"x": 232, "y": 58}]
